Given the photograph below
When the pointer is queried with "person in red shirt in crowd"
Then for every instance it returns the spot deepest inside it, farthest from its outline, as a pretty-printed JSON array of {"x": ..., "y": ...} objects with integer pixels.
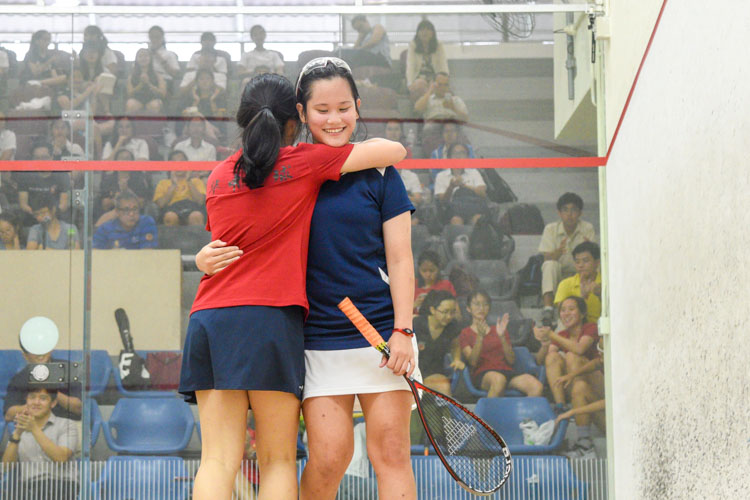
[
  {"x": 488, "y": 351},
  {"x": 566, "y": 351},
  {"x": 428, "y": 278},
  {"x": 245, "y": 345}
]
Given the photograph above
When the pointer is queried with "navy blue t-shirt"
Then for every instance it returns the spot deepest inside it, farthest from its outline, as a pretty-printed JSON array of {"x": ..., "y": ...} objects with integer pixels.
[{"x": 346, "y": 256}]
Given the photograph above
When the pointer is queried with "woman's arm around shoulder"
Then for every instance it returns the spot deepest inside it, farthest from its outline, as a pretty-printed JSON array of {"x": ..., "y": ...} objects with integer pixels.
[{"x": 374, "y": 153}]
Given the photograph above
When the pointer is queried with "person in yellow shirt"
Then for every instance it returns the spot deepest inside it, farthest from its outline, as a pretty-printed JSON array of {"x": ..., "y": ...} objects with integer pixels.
[
  {"x": 587, "y": 282},
  {"x": 181, "y": 198}
]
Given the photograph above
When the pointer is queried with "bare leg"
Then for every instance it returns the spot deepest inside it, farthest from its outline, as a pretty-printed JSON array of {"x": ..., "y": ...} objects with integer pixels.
[
  {"x": 276, "y": 424},
  {"x": 330, "y": 438},
  {"x": 581, "y": 395},
  {"x": 223, "y": 415},
  {"x": 494, "y": 384},
  {"x": 527, "y": 384},
  {"x": 387, "y": 417},
  {"x": 555, "y": 369},
  {"x": 439, "y": 382}
]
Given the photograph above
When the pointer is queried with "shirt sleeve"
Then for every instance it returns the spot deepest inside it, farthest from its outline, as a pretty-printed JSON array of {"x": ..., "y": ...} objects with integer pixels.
[
  {"x": 326, "y": 161},
  {"x": 547, "y": 244},
  {"x": 474, "y": 177},
  {"x": 395, "y": 198},
  {"x": 442, "y": 181},
  {"x": 590, "y": 330},
  {"x": 587, "y": 230},
  {"x": 411, "y": 181},
  {"x": 467, "y": 338},
  {"x": 68, "y": 437},
  {"x": 142, "y": 150}
]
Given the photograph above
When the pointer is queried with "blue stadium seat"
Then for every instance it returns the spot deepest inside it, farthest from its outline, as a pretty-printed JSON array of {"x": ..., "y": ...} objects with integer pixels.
[
  {"x": 101, "y": 367},
  {"x": 504, "y": 415},
  {"x": 145, "y": 478},
  {"x": 96, "y": 421},
  {"x": 149, "y": 425},
  {"x": 138, "y": 394},
  {"x": 544, "y": 476},
  {"x": 2, "y": 421},
  {"x": 11, "y": 362}
]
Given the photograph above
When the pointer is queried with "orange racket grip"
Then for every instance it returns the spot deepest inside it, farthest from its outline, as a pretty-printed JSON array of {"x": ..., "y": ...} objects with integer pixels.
[{"x": 364, "y": 326}]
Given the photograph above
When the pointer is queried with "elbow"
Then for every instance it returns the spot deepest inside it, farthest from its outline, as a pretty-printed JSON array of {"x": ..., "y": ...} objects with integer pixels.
[{"x": 399, "y": 151}]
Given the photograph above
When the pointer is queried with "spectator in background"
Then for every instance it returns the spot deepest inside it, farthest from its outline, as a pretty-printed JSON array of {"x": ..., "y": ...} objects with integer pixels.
[
  {"x": 586, "y": 282},
  {"x": 371, "y": 47},
  {"x": 7, "y": 141},
  {"x": 51, "y": 233},
  {"x": 41, "y": 65},
  {"x": 165, "y": 62},
  {"x": 68, "y": 405},
  {"x": 489, "y": 353},
  {"x": 425, "y": 58},
  {"x": 428, "y": 278},
  {"x": 558, "y": 240},
  {"x": 437, "y": 334},
  {"x": 568, "y": 350},
  {"x": 145, "y": 87},
  {"x": 41, "y": 436},
  {"x": 32, "y": 185},
  {"x": 181, "y": 199},
  {"x": 203, "y": 96},
  {"x": 439, "y": 103},
  {"x": 9, "y": 231},
  {"x": 95, "y": 74},
  {"x": 259, "y": 60},
  {"x": 194, "y": 147},
  {"x": 451, "y": 133},
  {"x": 124, "y": 138},
  {"x": 92, "y": 33},
  {"x": 113, "y": 183},
  {"x": 207, "y": 58},
  {"x": 130, "y": 229},
  {"x": 206, "y": 62},
  {"x": 4, "y": 68},
  {"x": 60, "y": 140},
  {"x": 461, "y": 192}
]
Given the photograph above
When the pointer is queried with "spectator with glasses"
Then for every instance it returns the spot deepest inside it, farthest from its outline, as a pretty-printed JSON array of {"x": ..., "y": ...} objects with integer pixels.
[
  {"x": 437, "y": 334},
  {"x": 130, "y": 229}
]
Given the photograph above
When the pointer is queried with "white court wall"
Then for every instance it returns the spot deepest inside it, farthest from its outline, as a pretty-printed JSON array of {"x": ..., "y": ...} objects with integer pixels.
[{"x": 678, "y": 199}]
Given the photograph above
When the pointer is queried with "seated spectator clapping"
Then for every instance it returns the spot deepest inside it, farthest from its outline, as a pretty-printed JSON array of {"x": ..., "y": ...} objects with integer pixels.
[
  {"x": 209, "y": 59},
  {"x": 41, "y": 436},
  {"x": 51, "y": 233},
  {"x": 92, "y": 84},
  {"x": 93, "y": 33},
  {"x": 566, "y": 351},
  {"x": 181, "y": 198},
  {"x": 42, "y": 66},
  {"x": 124, "y": 138},
  {"x": 146, "y": 88},
  {"x": 437, "y": 334},
  {"x": 130, "y": 230},
  {"x": 489, "y": 353},
  {"x": 204, "y": 96},
  {"x": 586, "y": 282}
]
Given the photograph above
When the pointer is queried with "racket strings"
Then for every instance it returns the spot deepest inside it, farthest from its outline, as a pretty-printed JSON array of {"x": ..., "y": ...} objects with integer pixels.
[{"x": 473, "y": 452}]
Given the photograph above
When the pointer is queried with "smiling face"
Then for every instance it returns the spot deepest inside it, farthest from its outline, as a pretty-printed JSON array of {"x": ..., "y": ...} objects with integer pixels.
[
  {"x": 570, "y": 315},
  {"x": 7, "y": 232},
  {"x": 40, "y": 403},
  {"x": 330, "y": 113}
]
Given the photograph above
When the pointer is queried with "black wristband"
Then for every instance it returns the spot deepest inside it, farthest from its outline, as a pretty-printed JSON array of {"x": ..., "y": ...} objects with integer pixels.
[{"x": 11, "y": 440}]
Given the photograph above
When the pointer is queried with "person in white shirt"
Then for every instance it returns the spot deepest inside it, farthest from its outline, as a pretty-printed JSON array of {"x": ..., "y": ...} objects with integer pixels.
[
  {"x": 165, "y": 62},
  {"x": 194, "y": 147},
  {"x": 259, "y": 60},
  {"x": 124, "y": 138},
  {"x": 7, "y": 141},
  {"x": 461, "y": 191},
  {"x": 208, "y": 61}
]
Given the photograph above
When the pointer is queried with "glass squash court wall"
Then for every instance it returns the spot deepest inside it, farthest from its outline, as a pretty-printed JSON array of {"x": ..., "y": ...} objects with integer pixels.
[{"x": 526, "y": 121}]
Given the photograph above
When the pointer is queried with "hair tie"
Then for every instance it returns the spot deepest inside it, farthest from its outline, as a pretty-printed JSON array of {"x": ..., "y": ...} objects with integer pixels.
[{"x": 265, "y": 106}]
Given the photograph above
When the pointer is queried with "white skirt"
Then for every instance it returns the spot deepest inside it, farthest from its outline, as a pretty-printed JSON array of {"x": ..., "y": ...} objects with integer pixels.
[{"x": 352, "y": 371}]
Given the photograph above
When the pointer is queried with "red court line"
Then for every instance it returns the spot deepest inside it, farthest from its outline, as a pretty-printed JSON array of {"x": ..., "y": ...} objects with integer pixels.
[
  {"x": 635, "y": 80},
  {"x": 32, "y": 166}
]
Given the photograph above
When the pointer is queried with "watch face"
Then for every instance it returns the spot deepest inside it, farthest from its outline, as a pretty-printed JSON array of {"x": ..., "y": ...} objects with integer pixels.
[{"x": 40, "y": 373}]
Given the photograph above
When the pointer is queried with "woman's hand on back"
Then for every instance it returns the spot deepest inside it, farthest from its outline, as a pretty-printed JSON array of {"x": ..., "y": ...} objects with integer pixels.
[{"x": 215, "y": 256}]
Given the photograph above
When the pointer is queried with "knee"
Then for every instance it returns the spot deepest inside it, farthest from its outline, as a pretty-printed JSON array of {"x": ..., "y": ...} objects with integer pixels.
[
  {"x": 333, "y": 458},
  {"x": 195, "y": 218},
  {"x": 390, "y": 451},
  {"x": 171, "y": 219},
  {"x": 133, "y": 105},
  {"x": 457, "y": 221},
  {"x": 553, "y": 360},
  {"x": 579, "y": 389}
]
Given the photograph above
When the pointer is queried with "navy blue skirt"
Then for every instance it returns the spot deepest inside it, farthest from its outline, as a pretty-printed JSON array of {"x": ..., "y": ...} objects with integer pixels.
[{"x": 250, "y": 348}]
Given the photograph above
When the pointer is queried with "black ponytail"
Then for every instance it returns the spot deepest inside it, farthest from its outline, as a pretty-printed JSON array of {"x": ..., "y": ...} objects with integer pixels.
[{"x": 266, "y": 106}]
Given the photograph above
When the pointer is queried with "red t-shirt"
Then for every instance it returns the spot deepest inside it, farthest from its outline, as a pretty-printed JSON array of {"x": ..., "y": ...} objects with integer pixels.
[
  {"x": 587, "y": 330},
  {"x": 270, "y": 224},
  {"x": 492, "y": 355}
]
